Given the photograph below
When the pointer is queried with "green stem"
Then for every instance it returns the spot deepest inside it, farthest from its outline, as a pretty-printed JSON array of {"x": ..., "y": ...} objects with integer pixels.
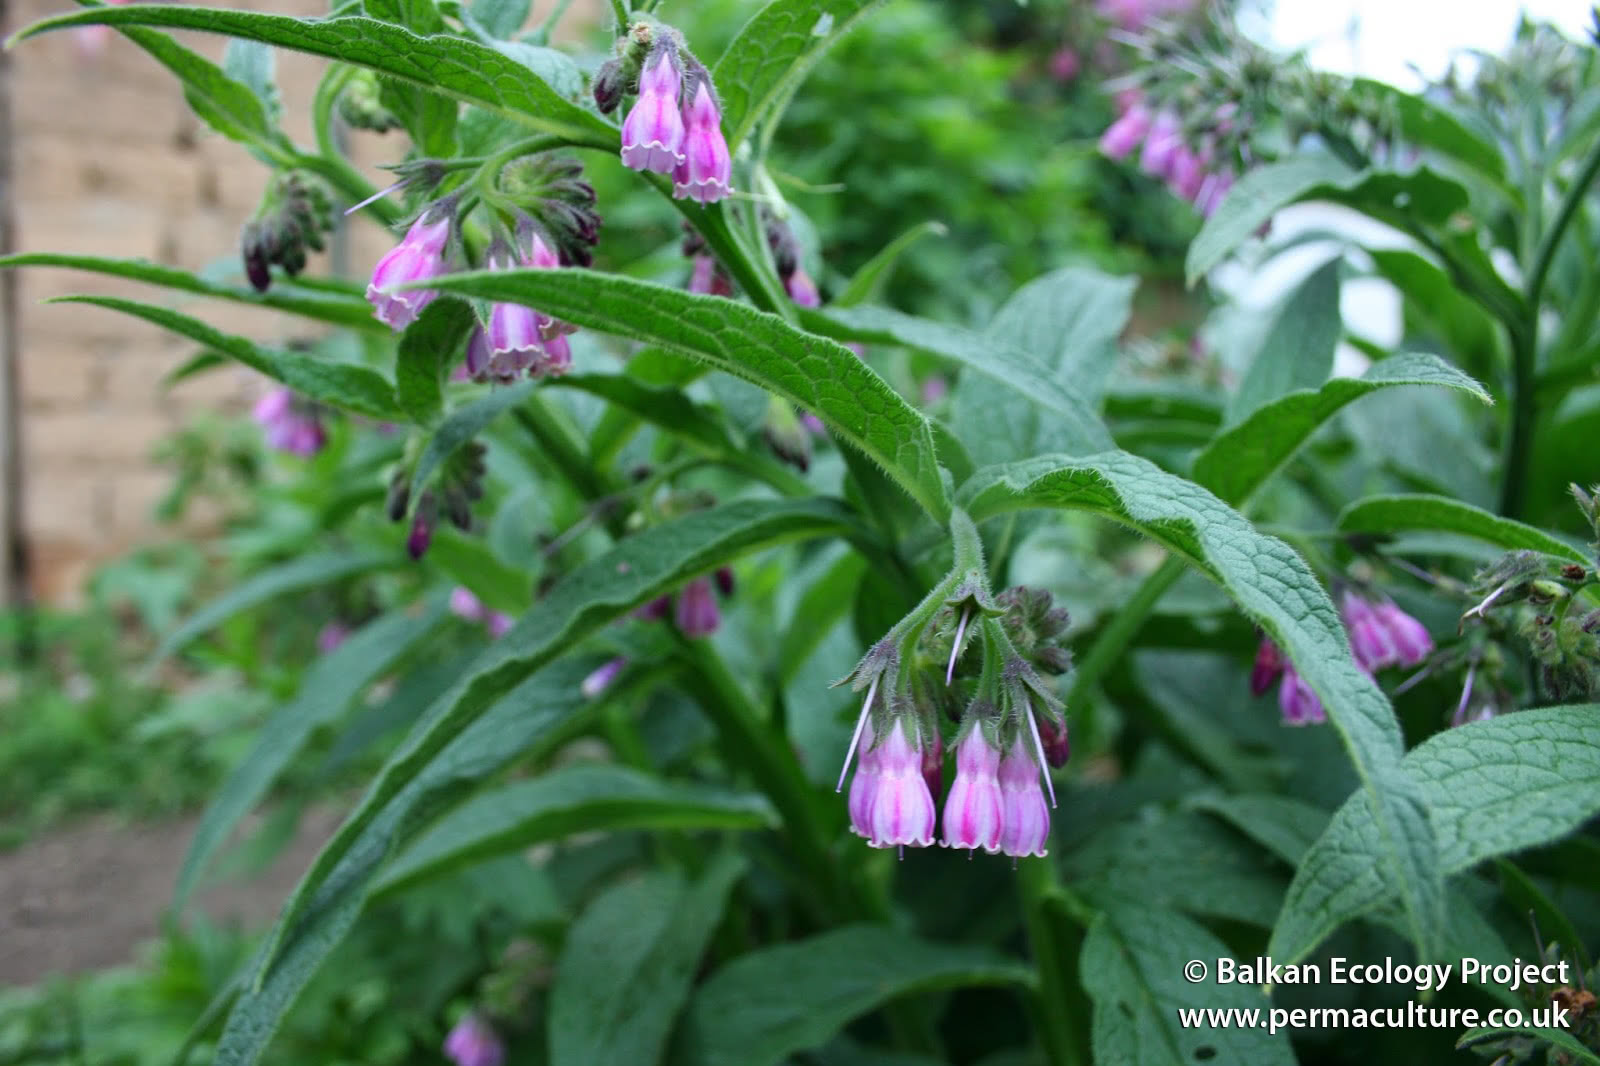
[
  {"x": 620, "y": 9},
  {"x": 1057, "y": 1004},
  {"x": 1519, "y": 438},
  {"x": 1113, "y": 638},
  {"x": 1546, "y": 253}
]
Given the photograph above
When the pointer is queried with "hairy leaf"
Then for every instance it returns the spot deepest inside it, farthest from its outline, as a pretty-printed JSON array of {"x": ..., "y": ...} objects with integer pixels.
[
  {"x": 1297, "y": 348},
  {"x": 424, "y": 355},
  {"x": 1275, "y": 588},
  {"x": 1407, "y": 513}
]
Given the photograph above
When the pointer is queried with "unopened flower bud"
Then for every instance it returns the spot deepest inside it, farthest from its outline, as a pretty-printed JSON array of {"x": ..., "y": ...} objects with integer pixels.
[
  {"x": 609, "y": 85},
  {"x": 422, "y": 526},
  {"x": 696, "y": 611},
  {"x": 361, "y": 103}
]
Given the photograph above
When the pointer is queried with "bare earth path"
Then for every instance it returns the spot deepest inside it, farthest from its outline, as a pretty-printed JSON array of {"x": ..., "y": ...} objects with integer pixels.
[{"x": 82, "y": 898}]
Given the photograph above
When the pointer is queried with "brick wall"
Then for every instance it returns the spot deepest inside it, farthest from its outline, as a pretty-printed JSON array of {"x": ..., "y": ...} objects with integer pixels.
[{"x": 110, "y": 162}]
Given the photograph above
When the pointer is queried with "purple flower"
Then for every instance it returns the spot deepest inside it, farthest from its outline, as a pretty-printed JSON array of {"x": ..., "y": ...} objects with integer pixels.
[
  {"x": 1212, "y": 192},
  {"x": 519, "y": 339},
  {"x": 498, "y": 624},
  {"x": 802, "y": 290},
  {"x": 705, "y": 169},
  {"x": 696, "y": 610},
  {"x": 473, "y": 1042},
  {"x": 601, "y": 678},
  {"x": 1369, "y": 639},
  {"x": 704, "y": 277},
  {"x": 1161, "y": 144},
  {"x": 1125, "y": 134},
  {"x": 1065, "y": 64},
  {"x": 1055, "y": 742},
  {"x": 1024, "y": 818},
  {"x": 1299, "y": 704},
  {"x": 476, "y": 366},
  {"x": 418, "y": 257},
  {"x": 1269, "y": 664},
  {"x": 655, "y": 610},
  {"x": 289, "y": 423},
  {"x": 331, "y": 636},
  {"x": 652, "y": 134},
  {"x": 463, "y": 604},
  {"x": 972, "y": 810},
  {"x": 1407, "y": 636},
  {"x": 902, "y": 806},
  {"x": 864, "y": 786},
  {"x": 1186, "y": 173}
]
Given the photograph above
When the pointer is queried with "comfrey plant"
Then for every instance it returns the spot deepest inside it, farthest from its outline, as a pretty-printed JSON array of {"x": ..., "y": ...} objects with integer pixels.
[{"x": 601, "y": 510}]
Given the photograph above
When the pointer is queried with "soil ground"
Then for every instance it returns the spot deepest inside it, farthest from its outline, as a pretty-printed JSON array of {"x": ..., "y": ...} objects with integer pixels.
[{"x": 83, "y": 898}]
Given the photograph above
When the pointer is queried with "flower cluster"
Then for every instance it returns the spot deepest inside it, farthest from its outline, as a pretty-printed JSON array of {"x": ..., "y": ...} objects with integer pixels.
[
  {"x": 294, "y": 215},
  {"x": 453, "y": 489},
  {"x": 675, "y": 124},
  {"x": 1381, "y": 635},
  {"x": 1188, "y": 159},
  {"x": 290, "y": 423},
  {"x": 997, "y": 802}
]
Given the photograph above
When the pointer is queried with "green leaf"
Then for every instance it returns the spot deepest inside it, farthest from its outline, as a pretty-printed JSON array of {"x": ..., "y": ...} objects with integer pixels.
[
  {"x": 1430, "y": 125},
  {"x": 1019, "y": 371},
  {"x": 322, "y": 306},
  {"x": 564, "y": 802},
  {"x": 818, "y": 374},
  {"x": 533, "y": 714},
  {"x": 307, "y": 571},
  {"x": 1491, "y": 788},
  {"x": 1275, "y": 588},
  {"x": 469, "y": 561},
  {"x": 346, "y": 385},
  {"x": 773, "y": 53},
  {"x": 772, "y": 1003},
  {"x": 1133, "y": 969},
  {"x": 1405, "y": 513},
  {"x": 326, "y": 691},
  {"x": 227, "y": 105},
  {"x": 1243, "y": 457},
  {"x": 1264, "y": 191},
  {"x": 1558, "y": 1037},
  {"x": 1284, "y": 826},
  {"x": 463, "y": 424},
  {"x": 639, "y": 569},
  {"x": 459, "y": 68},
  {"x": 1296, "y": 350},
  {"x": 628, "y": 963},
  {"x": 869, "y": 278},
  {"x": 426, "y": 350},
  {"x": 254, "y": 65},
  {"x": 1459, "y": 320},
  {"x": 501, "y": 18}
]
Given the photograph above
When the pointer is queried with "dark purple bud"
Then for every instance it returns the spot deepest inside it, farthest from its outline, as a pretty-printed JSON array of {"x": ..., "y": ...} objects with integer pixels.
[
  {"x": 255, "y": 265},
  {"x": 1268, "y": 665},
  {"x": 933, "y": 765},
  {"x": 724, "y": 580},
  {"x": 608, "y": 86},
  {"x": 1057, "y": 746},
  {"x": 422, "y": 524},
  {"x": 655, "y": 610},
  {"x": 696, "y": 614}
]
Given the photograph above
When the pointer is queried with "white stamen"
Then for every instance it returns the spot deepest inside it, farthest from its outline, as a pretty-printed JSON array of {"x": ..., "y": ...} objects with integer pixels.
[
  {"x": 955, "y": 649},
  {"x": 861, "y": 722},
  {"x": 1038, "y": 747},
  {"x": 375, "y": 197}
]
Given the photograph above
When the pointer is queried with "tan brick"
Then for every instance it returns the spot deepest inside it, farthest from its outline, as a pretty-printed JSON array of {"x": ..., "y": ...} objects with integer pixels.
[
  {"x": 111, "y": 439},
  {"x": 134, "y": 496},
  {"x": 65, "y": 502},
  {"x": 60, "y": 380}
]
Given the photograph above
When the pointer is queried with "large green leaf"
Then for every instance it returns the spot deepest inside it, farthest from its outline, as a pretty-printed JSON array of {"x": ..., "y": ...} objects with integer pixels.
[
  {"x": 321, "y": 305},
  {"x": 769, "y": 1004},
  {"x": 1492, "y": 788},
  {"x": 532, "y": 714},
  {"x": 424, "y": 355},
  {"x": 354, "y": 388},
  {"x": 628, "y": 963},
  {"x": 639, "y": 569},
  {"x": 1266, "y": 190},
  {"x": 1022, "y": 372},
  {"x": 1297, "y": 345},
  {"x": 818, "y": 374},
  {"x": 1133, "y": 967},
  {"x": 1430, "y": 125},
  {"x": 1417, "y": 512},
  {"x": 773, "y": 53},
  {"x": 1242, "y": 458},
  {"x": 572, "y": 799},
  {"x": 1275, "y": 588},
  {"x": 457, "y": 67},
  {"x": 307, "y": 571},
  {"x": 326, "y": 691}
]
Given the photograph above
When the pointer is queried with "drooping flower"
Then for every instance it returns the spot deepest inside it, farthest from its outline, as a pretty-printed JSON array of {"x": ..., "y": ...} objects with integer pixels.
[
  {"x": 864, "y": 786},
  {"x": 1161, "y": 144},
  {"x": 1126, "y": 133},
  {"x": 601, "y": 677},
  {"x": 1407, "y": 636},
  {"x": 1299, "y": 704},
  {"x": 1369, "y": 638},
  {"x": 696, "y": 611},
  {"x": 706, "y": 277},
  {"x": 802, "y": 290},
  {"x": 519, "y": 339},
  {"x": 1268, "y": 666},
  {"x": 653, "y": 133},
  {"x": 473, "y": 1042},
  {"x": 902, "y": 806},
  {"x": 418, "y": 257},
  {"x": 1024, "y": 817},
  {"x": 289, "y": 423},
  {"x": 972, "y": 811},
  {"x": 705, "y": 167}
]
